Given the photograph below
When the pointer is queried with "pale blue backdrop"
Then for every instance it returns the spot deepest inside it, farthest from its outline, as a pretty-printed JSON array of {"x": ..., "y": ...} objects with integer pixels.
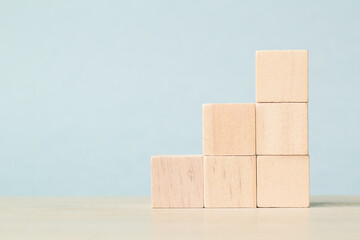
[{"x": 89, "y": 90}]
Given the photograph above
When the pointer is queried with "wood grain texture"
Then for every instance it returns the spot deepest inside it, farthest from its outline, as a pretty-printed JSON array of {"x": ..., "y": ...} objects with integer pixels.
[
  {"x": 177, "y": 181},
  {"x": 229, "y": 129},
  {"x": 281, "y": 129},
  {"x": 230, "y": 181},
  {"x": 283, "y": 181},
  {"x": 282, "y": 76}
]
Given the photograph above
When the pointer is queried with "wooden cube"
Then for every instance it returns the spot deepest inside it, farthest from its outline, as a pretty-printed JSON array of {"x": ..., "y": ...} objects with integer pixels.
[
  {"x": 282, "y": 76},
  {"x": 283, "y": 181},
  {"x": 177, "y": 181},
  {"x": 229, "y": 129},
  {"x": 230, "y": 181},
  {"x": 281, "y": 128}
]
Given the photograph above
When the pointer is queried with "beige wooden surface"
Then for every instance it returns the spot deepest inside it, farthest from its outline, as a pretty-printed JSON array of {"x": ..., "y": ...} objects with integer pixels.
[
  {"x": 282, "y": 129},
  {"x": 282, "y": 76},
  {"x": 283, "y": 181},
  {"x": 229, "y": 181},
  {"x": 177, "y": 181},
  {"x": 132, "y": 218},
  {"x": 228, "y": 129}
]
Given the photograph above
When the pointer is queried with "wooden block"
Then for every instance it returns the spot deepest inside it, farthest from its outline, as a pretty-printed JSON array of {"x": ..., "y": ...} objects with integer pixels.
[
  {"x": 282, "y": 76},
  {"x": 283, "y": 181},
  {"x": 177, "y": 181},
  {"x": 229, "y": 129},
  {"x": 281, "y": 129},
  {"x": 230, "y": 181}
]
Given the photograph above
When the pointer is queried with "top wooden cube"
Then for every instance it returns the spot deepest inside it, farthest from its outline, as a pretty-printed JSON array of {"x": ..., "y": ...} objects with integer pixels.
[
  {"x": 229, "y": 129},
  {"x": 282, "y": 76}
]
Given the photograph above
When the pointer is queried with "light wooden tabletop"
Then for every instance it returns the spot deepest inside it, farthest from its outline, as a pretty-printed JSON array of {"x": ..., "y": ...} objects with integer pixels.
[{"x": 132, "y": 218}]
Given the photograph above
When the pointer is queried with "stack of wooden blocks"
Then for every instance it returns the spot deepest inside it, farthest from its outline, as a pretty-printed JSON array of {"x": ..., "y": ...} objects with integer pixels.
[{"x": 254, "y": 155}]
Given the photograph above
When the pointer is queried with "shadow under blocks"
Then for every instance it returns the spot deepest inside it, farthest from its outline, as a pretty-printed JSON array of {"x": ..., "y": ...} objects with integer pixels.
[{"x": 254, "y": 154}]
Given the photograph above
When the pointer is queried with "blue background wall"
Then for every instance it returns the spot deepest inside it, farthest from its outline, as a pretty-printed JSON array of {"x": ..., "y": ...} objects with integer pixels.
[{"x": 89, "y": 90}]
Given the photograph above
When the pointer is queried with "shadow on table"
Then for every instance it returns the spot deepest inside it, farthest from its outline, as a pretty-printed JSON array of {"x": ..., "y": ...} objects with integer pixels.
[{"x": 334, "y": 203}]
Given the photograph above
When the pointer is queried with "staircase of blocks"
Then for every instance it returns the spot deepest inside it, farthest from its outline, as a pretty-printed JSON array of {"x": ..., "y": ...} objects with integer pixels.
[{"x": 254, "y": 154}]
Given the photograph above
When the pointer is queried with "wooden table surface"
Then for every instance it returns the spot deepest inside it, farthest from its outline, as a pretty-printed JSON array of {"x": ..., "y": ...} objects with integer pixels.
[{"x": 132, "y": 218}]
